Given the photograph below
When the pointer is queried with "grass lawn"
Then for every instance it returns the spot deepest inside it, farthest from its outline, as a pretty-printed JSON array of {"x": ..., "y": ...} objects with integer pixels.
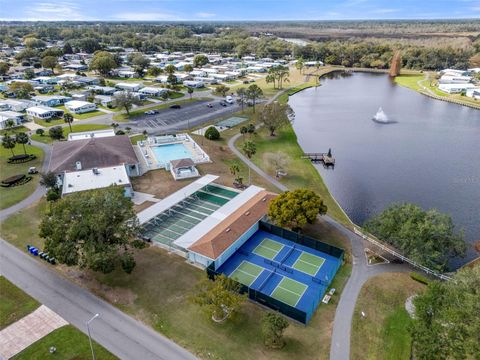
[
  {"x": 125, "y": 117},
  {"x": 12, "y": 195},
  {"x": 383, "y": 333},
  {"x": 66, "y": 130},
  {"x": 175, "y": 95},
  {"x": 14, "y": 130},
  {"x": 136, "y": 138},
  {"x": 301, "y": 172},
  {"x": 71, "y": 344},
  {"x": 45, "y": 123},
  {"x": 158, "y": 292},
  {"x": 14, "y": 303},
  {"x": 84, "y": 116},
  {"x": 411, "y": 82}
]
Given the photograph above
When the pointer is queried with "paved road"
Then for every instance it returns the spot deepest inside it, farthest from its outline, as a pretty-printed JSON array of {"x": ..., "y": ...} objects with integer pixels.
[{"x": 116, "y": 331}]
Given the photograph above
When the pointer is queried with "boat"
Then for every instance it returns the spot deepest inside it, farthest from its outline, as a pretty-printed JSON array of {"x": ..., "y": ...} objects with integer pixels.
[{"x": 381, "y": 118}]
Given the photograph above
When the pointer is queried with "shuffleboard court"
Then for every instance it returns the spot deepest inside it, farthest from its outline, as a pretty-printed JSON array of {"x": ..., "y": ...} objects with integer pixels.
[
  {"x": 268, "y": 248},
  {"x": 308, "y": 263},
  {"x": 289, "y": 291},
  {"x": 246, "y": 273}
]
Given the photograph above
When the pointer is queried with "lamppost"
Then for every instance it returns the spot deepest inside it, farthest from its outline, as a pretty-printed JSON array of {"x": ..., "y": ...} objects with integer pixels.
[{"x": 89, "y": 336}]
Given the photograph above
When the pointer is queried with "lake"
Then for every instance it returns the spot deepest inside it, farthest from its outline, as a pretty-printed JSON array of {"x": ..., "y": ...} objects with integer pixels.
[{"x": 430, "y": 156}]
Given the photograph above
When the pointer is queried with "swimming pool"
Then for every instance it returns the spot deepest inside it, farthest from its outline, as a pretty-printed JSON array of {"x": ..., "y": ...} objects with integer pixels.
[{"x": 166, "y": 153}]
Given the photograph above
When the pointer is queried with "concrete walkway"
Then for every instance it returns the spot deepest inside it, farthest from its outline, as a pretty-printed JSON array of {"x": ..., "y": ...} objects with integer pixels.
[{"x": 28, "y": 330}]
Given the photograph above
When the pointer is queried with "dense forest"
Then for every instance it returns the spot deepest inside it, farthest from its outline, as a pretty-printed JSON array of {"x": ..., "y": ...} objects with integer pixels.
[{"x": 429, "y": 45}]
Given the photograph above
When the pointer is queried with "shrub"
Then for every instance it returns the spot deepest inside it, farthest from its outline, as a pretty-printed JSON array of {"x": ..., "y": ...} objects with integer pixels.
[
  {"x": 53, "y": 195},
  {"x": 120, "y": 132},
  {"x": 40, "y": 132},
  {"x": 420, "y": 278},
  {"x": 212, "y": 133}
]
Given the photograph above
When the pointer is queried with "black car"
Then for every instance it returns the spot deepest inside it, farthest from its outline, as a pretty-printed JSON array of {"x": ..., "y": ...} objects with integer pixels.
[
  {"x": 175, "y": 106},
  {"x": 223, "y": 103}
]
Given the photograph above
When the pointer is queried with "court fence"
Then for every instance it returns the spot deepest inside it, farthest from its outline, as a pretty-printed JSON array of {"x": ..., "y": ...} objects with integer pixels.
[{"x": 277, "y": 305}]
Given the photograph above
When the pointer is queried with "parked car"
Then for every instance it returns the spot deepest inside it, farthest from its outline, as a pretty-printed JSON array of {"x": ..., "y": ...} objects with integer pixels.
[
  {"x": 33, "y": 170},
  {"x": 209, "y": 105},
  {"x": 175, "y": 106},
  {"x": 229, "y": 99},
  {"x": 223, "y": 103},
  {"x": 150, "y": 112}
]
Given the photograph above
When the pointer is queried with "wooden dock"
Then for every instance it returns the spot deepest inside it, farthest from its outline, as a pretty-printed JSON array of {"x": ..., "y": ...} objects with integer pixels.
[{"x": 320, "y": 157}]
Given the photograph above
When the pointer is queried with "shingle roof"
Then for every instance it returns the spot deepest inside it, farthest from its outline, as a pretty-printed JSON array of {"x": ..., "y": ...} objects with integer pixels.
[
  {"x": 182, "y": 163},
  {"x": 219, "y": 239},
  {"x": 94, "y": 152}
]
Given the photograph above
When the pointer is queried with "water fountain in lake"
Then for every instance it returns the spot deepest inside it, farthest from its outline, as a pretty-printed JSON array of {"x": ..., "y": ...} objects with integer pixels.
[{"x": 382, "y": 118}]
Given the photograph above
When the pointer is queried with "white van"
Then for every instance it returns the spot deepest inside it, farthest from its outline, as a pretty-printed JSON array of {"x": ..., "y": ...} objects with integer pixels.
[{"x": 229, "y": 100}]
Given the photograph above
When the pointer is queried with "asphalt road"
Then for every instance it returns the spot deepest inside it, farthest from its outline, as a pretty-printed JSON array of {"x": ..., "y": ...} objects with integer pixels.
[
  {"x": 122, "y": 335},
  {"x": 189, "y": 115}
]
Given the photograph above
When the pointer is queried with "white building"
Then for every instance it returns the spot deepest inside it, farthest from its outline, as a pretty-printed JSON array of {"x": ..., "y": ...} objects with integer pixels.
[
  {"x": 206, "y": 80},
  {"x": 455, "y": 88},
  {"x": 80, "y": 107},
  {"x": 90, "y": 134},
  {"x": 126, "y": 74},
  {"x": 129, "y": 86},
  {"x": 454, "y": 79},
  {"x": 15, "y": 105},
  {"x": 44, "y": 112},
  {"x": 194, "y": 84},
  {"x": 16, "y": 117},
  {"x": 473, "y": 93},
  {"x": 152, "y": 91},
  {"x": 96, "y": 178}
]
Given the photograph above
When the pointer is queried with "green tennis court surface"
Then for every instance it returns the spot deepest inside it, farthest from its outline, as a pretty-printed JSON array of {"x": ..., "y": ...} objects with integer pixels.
[
  {"x": 289, "y": 291},
  {"x": 308, "y": 263},
  {"x": 268, "y": 249},
  {"x": 246, "y": 273}
]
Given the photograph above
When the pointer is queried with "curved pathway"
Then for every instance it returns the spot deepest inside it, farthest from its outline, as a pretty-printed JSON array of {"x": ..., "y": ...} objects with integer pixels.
[{"x": 361, "y": 272}]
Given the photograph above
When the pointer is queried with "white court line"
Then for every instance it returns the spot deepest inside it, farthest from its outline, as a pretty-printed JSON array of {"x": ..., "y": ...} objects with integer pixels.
[
  {"x": 290, "y": 291},
  {"x": 248, "y": 262}
]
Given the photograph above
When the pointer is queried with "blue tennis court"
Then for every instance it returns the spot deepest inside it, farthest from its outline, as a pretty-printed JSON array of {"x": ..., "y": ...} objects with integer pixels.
[{"x": 294, "y": 274}]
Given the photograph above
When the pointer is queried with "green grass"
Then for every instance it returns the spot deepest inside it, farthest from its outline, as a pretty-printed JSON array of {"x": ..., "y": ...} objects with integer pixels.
[
  {"x": 45, "y": 123},
  {"x": 284, "y": 97},
  {"x": 14, "y": 130},
  {"x": 301, "y": 172},
  {"x": 71, "y": 344},
  {"x": 84, "y": 116},
  {"x": 175, "y": 95},
  {"x": 125, "y": 117},
  {"x": 14, "y": 303},
  {"x": 12, "y": 195},
  {"x": 136, "y": 138},
  {"x": 66, "y": 130},
  {"x": 383, "y": 332}
]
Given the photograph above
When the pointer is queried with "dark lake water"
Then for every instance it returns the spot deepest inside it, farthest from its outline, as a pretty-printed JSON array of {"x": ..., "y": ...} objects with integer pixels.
[{"x": 430, "y": 157}]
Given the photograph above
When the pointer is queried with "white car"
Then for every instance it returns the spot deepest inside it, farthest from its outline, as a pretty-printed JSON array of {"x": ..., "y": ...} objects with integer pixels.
[{"x": 229, "y": 100}]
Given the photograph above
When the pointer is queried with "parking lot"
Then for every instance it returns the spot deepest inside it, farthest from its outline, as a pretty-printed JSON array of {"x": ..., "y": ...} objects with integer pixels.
[{"x": 189, "y": 115}]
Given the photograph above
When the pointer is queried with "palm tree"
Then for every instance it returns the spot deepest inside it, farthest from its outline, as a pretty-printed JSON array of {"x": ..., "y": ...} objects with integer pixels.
[
  {"x": 190, "y": 92},
  {"x": 241, "y": 95},
  {"x": 250, "y": 149},
  {"x": 8, "y": 142},
  {"x": 68, "y": 118},
  {"x": 243, "y": 131},
  {"x": 299, "y": 64},
  {"x": 253, "y": 93},
  {"x": 22, "y": 138},
  {"x": 9, "y": 124}
]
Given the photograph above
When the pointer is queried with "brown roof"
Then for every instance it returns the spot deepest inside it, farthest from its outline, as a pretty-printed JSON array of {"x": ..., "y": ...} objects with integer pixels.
[
  {"x": 182, "y": 163},
  {"x": 216, "y": 241},
  {"x": 93, "y": 152}
]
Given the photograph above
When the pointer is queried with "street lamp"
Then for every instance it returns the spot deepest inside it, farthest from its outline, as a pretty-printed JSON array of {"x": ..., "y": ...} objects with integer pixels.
[{"x": 88, "y": 330}]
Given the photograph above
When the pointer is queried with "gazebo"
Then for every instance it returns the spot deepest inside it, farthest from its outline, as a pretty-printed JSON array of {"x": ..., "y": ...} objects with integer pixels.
[{"x": 183, "y": 169}]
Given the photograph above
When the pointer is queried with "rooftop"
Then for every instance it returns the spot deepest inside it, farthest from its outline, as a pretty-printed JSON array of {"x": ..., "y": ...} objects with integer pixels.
[{"x": 94, "y": 179}]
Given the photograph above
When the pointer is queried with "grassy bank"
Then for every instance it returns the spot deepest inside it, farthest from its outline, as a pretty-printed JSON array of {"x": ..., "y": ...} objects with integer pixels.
[
  {"x": 300, "y": 172},
  {"x": 383, "y": 332},
  {"x": 46, "y": 139},
  {"x": 158, "y": 293},
  {"x": 12, "y": 195},
  {"x": 14, "y": 303},
  {"x": 70, "y": 343},
  {"x": 423, "y": 84}
]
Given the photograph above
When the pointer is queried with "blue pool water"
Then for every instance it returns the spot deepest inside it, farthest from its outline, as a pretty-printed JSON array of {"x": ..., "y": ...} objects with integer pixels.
[{"x": 166, "y": 153}]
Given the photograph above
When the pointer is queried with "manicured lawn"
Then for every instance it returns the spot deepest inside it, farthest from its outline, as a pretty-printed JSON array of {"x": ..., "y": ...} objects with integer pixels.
[
  {"x": 66, "y": 130},
  {"x": 12, "y": 195},
  {"x": 125, "y": 117},
  {"x": 14, "y": 130},
  {"x": 176, "y": 95},
  {"x": 84, "y": 116},
  {"x": 411, "y": 82},
  {"x": 383, "y": 332},
  {"x": 45, "y": 123},
  {"x": 14, "y": 303},
  {"x": 136, "y": 138},
  {"x": 71, "y": 344},
  {"x": 301, "y": 172}
]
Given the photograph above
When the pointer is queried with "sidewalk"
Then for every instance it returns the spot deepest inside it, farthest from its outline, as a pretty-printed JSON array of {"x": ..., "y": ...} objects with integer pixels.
[{"x": 28, "y": 330}]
